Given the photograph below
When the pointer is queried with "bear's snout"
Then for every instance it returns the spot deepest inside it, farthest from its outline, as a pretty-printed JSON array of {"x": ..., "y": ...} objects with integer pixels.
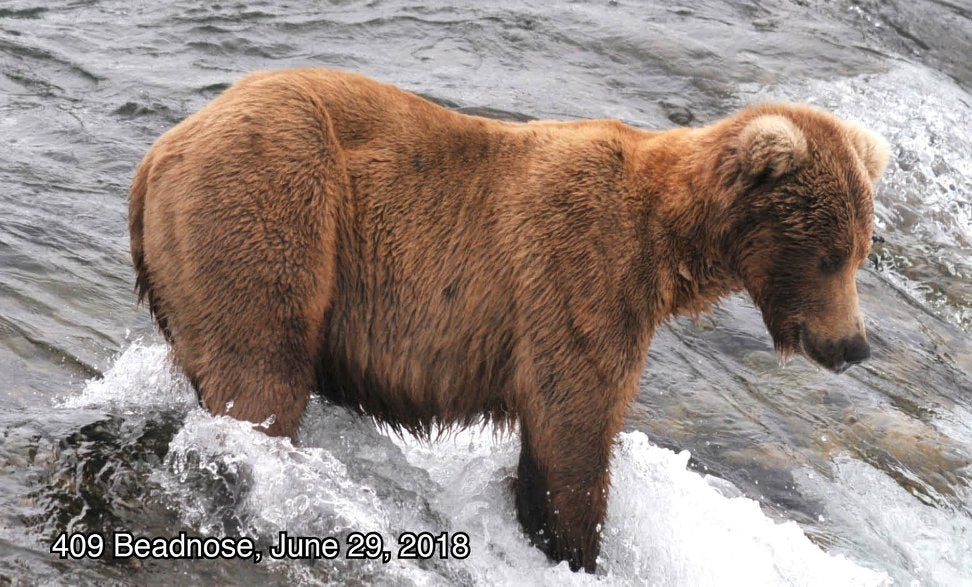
[
  {"x": 836, "y": 355},
  {"x": 855, "y": 350}
]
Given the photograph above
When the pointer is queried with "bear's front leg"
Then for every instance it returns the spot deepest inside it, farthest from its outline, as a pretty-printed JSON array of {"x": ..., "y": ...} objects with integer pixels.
[
  {"x": 562, "y": 487},
  {"x": 561, "y": 492}
]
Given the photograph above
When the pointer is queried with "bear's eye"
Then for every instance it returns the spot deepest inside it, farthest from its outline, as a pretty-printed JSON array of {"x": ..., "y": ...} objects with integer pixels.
[{"x": 831, "y": 263}]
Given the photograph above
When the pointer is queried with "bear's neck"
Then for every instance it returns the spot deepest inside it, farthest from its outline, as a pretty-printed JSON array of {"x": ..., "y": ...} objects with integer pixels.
[{"x": 690, "y": 225}]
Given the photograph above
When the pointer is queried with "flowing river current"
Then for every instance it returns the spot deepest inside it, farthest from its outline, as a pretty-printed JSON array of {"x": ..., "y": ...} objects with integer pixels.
[{"x": 731, "y": 469}]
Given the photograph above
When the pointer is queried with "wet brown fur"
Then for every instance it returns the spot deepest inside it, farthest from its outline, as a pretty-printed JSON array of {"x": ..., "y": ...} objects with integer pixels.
[{"x": 317, "y": 230}]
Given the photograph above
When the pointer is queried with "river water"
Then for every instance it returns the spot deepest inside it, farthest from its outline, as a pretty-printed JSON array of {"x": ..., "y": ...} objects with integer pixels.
[{"x": 731, "y": 469}]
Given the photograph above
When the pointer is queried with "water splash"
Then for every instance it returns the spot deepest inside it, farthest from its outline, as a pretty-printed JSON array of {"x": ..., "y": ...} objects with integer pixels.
[{"x": 665, "y": 523}]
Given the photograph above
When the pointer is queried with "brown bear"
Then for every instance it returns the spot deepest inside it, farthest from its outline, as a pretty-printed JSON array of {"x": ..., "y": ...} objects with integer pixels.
[{"x": 315, "y": 230}]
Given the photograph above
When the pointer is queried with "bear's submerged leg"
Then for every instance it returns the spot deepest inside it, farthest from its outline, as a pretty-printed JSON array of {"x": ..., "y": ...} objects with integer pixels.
[
  {"x": 562, "y": 485},
  {"x": 562, "y": 505},
  {"x": 566, "y": 434}
]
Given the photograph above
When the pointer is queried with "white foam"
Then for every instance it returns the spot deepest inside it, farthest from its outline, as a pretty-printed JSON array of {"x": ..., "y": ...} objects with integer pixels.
[
  {"x": 141, "y": 377},
  {"x": 665, "y": 525},
  {"x": 699, "y": 537}
]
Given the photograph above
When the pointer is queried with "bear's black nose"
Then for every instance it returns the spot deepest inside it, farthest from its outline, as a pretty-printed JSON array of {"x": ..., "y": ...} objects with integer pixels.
[{"x": 855, "y": 350}]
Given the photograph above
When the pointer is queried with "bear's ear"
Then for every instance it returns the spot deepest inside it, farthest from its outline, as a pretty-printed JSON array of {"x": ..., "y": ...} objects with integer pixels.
[
  {"x": 871, "y": 148},
  {"x": 771, "y": 145}
]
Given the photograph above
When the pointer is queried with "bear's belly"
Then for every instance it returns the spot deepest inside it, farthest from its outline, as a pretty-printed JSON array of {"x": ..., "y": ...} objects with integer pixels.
[{"x": 413, "y": 362}]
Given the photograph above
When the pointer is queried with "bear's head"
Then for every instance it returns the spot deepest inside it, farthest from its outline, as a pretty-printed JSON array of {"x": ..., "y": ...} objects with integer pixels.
[{"x": 799, "y": 225}]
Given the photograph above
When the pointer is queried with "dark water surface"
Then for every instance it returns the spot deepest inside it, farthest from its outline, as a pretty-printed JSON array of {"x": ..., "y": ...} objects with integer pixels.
[{"x": 97, "y": 433}]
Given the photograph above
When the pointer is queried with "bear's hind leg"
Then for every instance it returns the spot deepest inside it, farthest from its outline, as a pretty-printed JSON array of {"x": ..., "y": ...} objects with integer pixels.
[{"x": 271, "y": 394}]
